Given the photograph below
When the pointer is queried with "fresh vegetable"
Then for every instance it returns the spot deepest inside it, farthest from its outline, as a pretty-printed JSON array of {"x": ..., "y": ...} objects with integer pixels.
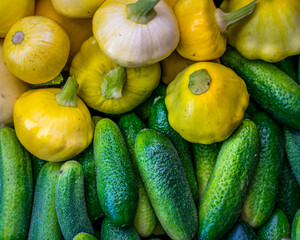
[
  {"x": 108, "y": 87},
  {"x": 135, "y": 34},
  {"x": 36, "y": 49},
  {"x": 165, "y": 181},
  {"x": 223, "y": 198},
  {"x": 295, "y": 234},
  {"x": 37, "y": 165},
  {"x": 11, "y": 88},
  {"x": 116, "y": 182},
  {"x": 16, "y": 186},
  {"x": 203, "y": 28},
  {"x": 207, "y": 93},
  {"x": 44, "y": 223},
  {"x": 53, "y": 124},
  {"x": 287, "y": 65},
  {"x": 69, "y": 201},
  {"x": 271, "y": 88},
  {"x": 271, "y": 33},
  {"x": 84, "y": 236},
  {"x": 242, "y": 231}
]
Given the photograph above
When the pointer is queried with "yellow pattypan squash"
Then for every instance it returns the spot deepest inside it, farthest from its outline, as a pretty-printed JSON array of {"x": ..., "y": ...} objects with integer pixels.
[
  {"x": 271, "y": 33},
  {"x": 134, "y": 34},
  {"x": 53, "y": 124},
  {"x": 206, "y": 102},
  {"x": 78, "y": 30},
  {"x": 108, "y": 87},
  {"x": 36, "y": 49},
  {"x": 13, "y": 10},
  {"x": 203, "y": 27}
]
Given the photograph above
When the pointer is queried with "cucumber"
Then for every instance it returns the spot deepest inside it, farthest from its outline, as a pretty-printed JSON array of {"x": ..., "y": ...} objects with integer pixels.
[
  {"x": 159, "y": 121},
  {"x": 69, "y": 201},
  {"x": 37, "y": 165},
  {"x": 292, "y": 148},
  {"x": 16, "y": 187},
  {"x": 261, "y": 198},
  {"x": 165, "y": 181},
  {"x": 44, "y": 223},
  {"x": 159, "y": 229},
  {"x": 110, "y": 231},
  {"x": 242, "y": 231},
  {"x": 116, "y": 182},
  {"x": 204, "y": 157},
  {"x": 275, "y": 92},
  {"x": 222, "y": 200},
  {"x": 296, "y": 226},
  {"x": 276, "y": 228},
  {"x": 287, "y": 65},
  {"x": 288, "y": 198},
  {"x": 145, "y": 219},
  {"x": 86, "y": 159},
  {"x": 84, "y": 236}
]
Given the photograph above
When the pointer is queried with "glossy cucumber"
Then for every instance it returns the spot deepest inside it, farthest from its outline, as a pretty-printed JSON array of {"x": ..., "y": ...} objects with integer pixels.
[{"x": 84, "y": 236}]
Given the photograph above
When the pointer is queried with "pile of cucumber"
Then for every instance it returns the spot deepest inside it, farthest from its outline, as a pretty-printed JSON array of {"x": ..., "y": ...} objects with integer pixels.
[{"x": 139, "y": 179}]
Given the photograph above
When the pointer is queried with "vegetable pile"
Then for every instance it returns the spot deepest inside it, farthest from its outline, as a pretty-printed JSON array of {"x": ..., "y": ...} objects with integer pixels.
[{"x": 149, "y": 119}]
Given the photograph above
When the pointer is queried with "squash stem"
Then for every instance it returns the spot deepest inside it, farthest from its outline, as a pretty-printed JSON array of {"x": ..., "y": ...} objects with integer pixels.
[
  {"x": 199, "y": 81},
  {"x": 113, "y": 82},
  {"x": 68, "y": 95},
  {"x": 226, "y": 19},
  {"x": 142, "y": 11}
]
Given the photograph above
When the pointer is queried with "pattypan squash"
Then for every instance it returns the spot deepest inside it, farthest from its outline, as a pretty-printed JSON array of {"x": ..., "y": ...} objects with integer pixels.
[
  {"x": 134, "y": 34},
  {"x": 203, "y": 27},
  {"x": 206, "y": 102},
  {"x": 53, "y": 124},
  {"x": 271, "y": 33},
  {"x": 36, "y": 49},
  {"x": 108, "y": 87}
]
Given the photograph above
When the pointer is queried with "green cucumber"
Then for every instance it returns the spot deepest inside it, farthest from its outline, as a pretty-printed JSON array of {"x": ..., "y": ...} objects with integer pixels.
[
  {"x": 159, "y": 121},
  {"x": 69, "y": 201},
  {"x": 276, "y": 228},
  {"x": 292, "y": 148},
  {"x": 159, "y": 229},
  {"x": 86, "y": 159},
  {"x": 242, "y": 231},
  {"x": 296, "y": 226},
  {"x": 204, "y": 157},
  {"x": 37, "y": 165},
  {"x": 109, "y": 231},
  {"x": 44, "y": 223},
  {"x": 145, "y": 219},
  {"x": 116, "y": 182},
  {"x": 298, "y": 69},
  {"x": 84, "y": 236},
  {"x": 16, "y": 187},
  {"x": 288, "y": 197},
  {"x": 275, "y": 92},
  {"x": 164, "y": 178},
  {"x": 223, "y": 198},
  {"x": 261, "y": 197},
  {"x": 287, "y": 65}
]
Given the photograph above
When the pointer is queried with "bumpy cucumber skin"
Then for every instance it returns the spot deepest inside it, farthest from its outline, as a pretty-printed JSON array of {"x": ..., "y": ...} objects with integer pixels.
[
  {"x": 223, "y": 198},
  {"x": 86, "y": 159},
  {"x": 37, "y": 165},
  {"x": 165, "y": 181},
  {"x": 110, "y": 231},
  {"x": 116, "y": 182},
  {"x": 242, "y": 231},
  {"x": 159, "y": 121},
  {"x": 292, "y": 148},
  {"x": 44, "y": 223},
  {"x": 204, "y": 157},
  {"x": 261, "y": 198},
  {"x": 296, "y": 226},
  {"x": 69, "y": 201},
  {"x": 16, "y": 187},
  {"x": 270, "y": 87},
  {"x": 84, "y": 236},
  {"x": 276, "y": 228},
  {"x": 145, "y": 219}
]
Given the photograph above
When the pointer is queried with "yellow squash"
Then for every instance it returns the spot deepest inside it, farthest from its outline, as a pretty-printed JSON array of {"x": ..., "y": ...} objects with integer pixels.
[
  {"x": 13, "y": 10},
  {"x": 203, "y": 27},
  {"x": 36, "y": 49},
  {"x": 53, "y": 124},
  {"x": 108, "y": 87},
  {"x": 206, "y": 102},
  {"x": 78, "y": 30},
  {"x": 271, "y": 33},
  {"x": 136, "y": 33}
]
